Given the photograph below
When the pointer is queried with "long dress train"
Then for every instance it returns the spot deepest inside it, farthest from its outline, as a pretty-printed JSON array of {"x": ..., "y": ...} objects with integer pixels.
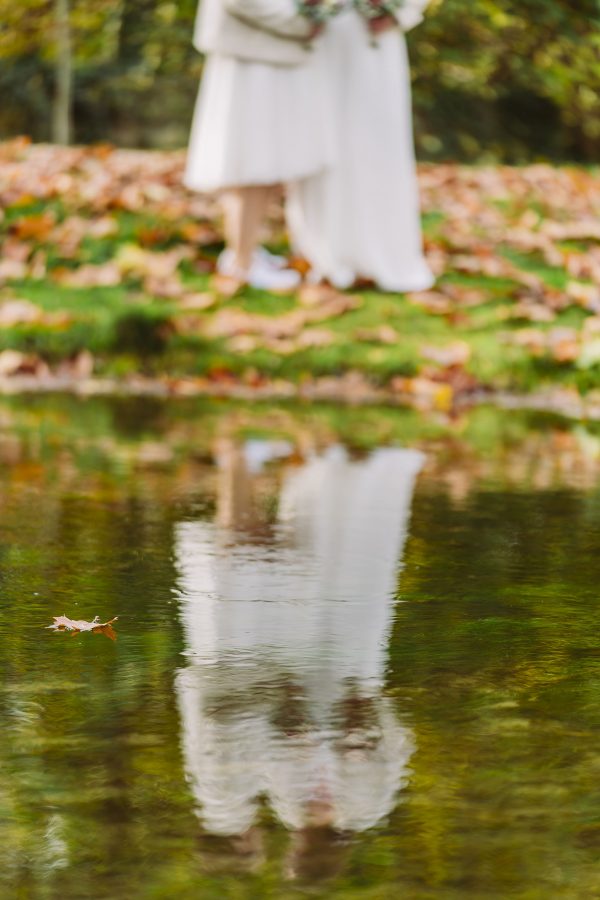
[{"x": 360, "y": 217}]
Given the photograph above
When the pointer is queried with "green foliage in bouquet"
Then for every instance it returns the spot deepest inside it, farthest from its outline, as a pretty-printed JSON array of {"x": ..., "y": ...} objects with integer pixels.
[
  {"x": 319, "y": 11},
  {"x": 322, "y": 11},
  {"x": 377, "y": 9}
]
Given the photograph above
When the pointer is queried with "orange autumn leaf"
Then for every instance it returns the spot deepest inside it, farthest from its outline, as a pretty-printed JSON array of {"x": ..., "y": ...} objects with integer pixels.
[{"x": 36, "y": 227}]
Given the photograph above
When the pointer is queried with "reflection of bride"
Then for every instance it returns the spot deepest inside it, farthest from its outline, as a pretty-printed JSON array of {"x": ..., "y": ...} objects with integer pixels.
[{"x": 287, "y": 637}]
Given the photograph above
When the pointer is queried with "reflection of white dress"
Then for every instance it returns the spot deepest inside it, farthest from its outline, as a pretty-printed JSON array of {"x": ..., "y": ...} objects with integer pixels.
[
  {"x": 303, "y": 621},
  {"x": 361, "y": 216}
]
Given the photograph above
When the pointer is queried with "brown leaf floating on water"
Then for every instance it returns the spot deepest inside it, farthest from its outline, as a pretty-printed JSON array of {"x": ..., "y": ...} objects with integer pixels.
[{"x": 77, "y": 626}]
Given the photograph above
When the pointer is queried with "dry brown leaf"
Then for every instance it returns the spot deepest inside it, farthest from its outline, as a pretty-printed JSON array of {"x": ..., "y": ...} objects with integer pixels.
[
  {"x": 458, "y": 353},
  {"x": 103, "y": 275},
  {"x": 68, "y": 235},
  {"x": 80, "y": 366},
  {"x": 34, "y": 227},
  {"x": 189, "y": 323},
  {"x": 532, "y": 311},
  {"x": 333, "y": 307},
  {"x": 315, "y": 294},
  {"x": 14, "y": 362},
  {"x": 563, "y": 344},
  {"x": 197, "y": 302},
  {"x": 225, "y": 285},
  {"x": 464, "y": 296},
  {"x": 490, "y": 265},
  {"x": 586, "y": 295},
  {"x": 77, "y": 626},
  {"x": 385, "y": 334},
  {"x": 12, "y": 270},
  {"x": 243, "y": 343},
  {"x": 169, "y": 288},
  {"x": 19, "y": 312},
  {"x": 531, "y": 339},
  {"x": 315, "y": 337},
  {"x": 200, "y": 233},
  {"x": 433, "y": 302},
  {"x": 300, "y": 265},
  {"x": 230, "y": 322},
  {"x": 425, "y": 393}
]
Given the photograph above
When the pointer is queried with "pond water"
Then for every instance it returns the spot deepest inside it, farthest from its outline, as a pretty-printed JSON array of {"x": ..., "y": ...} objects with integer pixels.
[{"x": 357, "y": 653}]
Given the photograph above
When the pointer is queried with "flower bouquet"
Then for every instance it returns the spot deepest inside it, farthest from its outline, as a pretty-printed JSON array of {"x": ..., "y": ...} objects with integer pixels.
[
  {"x": 377, "y": 9},
  {"x": 322, "y": 11},
  {"x": 319, "y": 11}
]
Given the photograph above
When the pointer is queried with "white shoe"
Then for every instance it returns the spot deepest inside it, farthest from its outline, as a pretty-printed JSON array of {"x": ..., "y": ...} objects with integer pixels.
[
  {"x": 261, "y": 254},
  {"x": 266, "y": 278},
  {"x": 261, "y": 274},
  {"x": 271, "y": 259}
]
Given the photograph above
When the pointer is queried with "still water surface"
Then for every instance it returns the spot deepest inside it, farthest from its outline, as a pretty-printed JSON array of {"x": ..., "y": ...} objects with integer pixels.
[{"x": 357, "y": 654}]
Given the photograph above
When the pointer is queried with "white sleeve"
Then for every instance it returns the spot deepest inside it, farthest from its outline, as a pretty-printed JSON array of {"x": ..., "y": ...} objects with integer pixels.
[
  {"x": 411, "y": 13},
  {"x": 279, "y": 17}
]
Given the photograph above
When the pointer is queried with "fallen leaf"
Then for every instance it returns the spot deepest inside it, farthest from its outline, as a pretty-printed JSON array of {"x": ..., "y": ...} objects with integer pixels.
[
  {"x": 19, "y": 312},
  {"x": 433, "y": 302},
  {"x": 14, "y": 362},
  {"x": 103, "y": 275},
  {"x": 384, "y": 334},
  {"x": 457, "y": 353},
  {"x": 531, "y": 311},
  {"x": 12, "y": 270},
  {"x": 563, "y": 344},
  {"x": 315, "y": 294},
  {"x": 531, "y": 339},
  {"x": 315, "y": 337},
  {"x": 225, "y": 285},
  {"x": 586, "y": 295},
  {"x": 198, "y": 301},
  {"x": 332, "y": 307},
  {"x": 78, "y": 367},
  {"x": 201, "y": 233},
  {"x": 35, "y": 227},
  {"x": 77, "y": 626},
  {"x": 243, "y": 343},
  {"x": 425, "y": 393}
]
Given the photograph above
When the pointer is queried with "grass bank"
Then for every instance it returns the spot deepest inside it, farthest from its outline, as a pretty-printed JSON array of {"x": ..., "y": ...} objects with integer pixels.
[{"x": 107, "y": 272}]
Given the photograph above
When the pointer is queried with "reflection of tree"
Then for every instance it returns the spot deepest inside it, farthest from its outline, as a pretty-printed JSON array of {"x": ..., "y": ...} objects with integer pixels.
[{"x": 287, "y": 630}]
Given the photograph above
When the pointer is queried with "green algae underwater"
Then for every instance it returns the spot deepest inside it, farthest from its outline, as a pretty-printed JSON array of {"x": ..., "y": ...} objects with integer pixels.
[{"x": 357, "y": 652}]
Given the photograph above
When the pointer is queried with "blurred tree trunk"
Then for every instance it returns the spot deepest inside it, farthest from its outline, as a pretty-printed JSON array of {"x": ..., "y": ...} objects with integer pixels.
[{"x": 62, "y": 124}]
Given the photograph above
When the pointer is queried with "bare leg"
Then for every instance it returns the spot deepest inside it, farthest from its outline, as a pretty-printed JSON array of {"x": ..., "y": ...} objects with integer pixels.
[{"x": 245, "y": 210}]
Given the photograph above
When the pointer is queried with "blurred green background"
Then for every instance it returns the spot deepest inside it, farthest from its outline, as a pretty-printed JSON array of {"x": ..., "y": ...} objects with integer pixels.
[{"x": 494, "y": 80}]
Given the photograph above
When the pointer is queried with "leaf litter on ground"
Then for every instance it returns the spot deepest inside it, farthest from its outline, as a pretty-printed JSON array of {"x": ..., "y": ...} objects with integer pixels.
[{"x": 513, "y": 246}]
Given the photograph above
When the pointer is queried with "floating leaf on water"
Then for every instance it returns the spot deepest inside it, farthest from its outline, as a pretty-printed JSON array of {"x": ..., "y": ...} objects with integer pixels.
[{"x": 76, "y": 626}]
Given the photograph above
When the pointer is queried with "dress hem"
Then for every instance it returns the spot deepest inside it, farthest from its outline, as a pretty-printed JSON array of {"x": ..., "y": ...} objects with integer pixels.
[{"x": 197, "y": 186}]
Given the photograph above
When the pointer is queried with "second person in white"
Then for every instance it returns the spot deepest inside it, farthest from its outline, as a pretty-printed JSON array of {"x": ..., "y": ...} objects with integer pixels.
[{"x": 360, "y": 218}]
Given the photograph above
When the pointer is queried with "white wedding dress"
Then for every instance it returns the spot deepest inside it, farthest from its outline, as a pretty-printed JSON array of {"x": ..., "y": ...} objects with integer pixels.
[
  {"x": 360, "y": 217},
  {"x": 256, "y": 124}
]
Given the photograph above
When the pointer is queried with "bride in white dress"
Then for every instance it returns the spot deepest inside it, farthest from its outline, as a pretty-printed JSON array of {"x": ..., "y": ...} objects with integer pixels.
[
  {"x": 257, "y": 123},
  {"x": 360, "y": 218}
]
